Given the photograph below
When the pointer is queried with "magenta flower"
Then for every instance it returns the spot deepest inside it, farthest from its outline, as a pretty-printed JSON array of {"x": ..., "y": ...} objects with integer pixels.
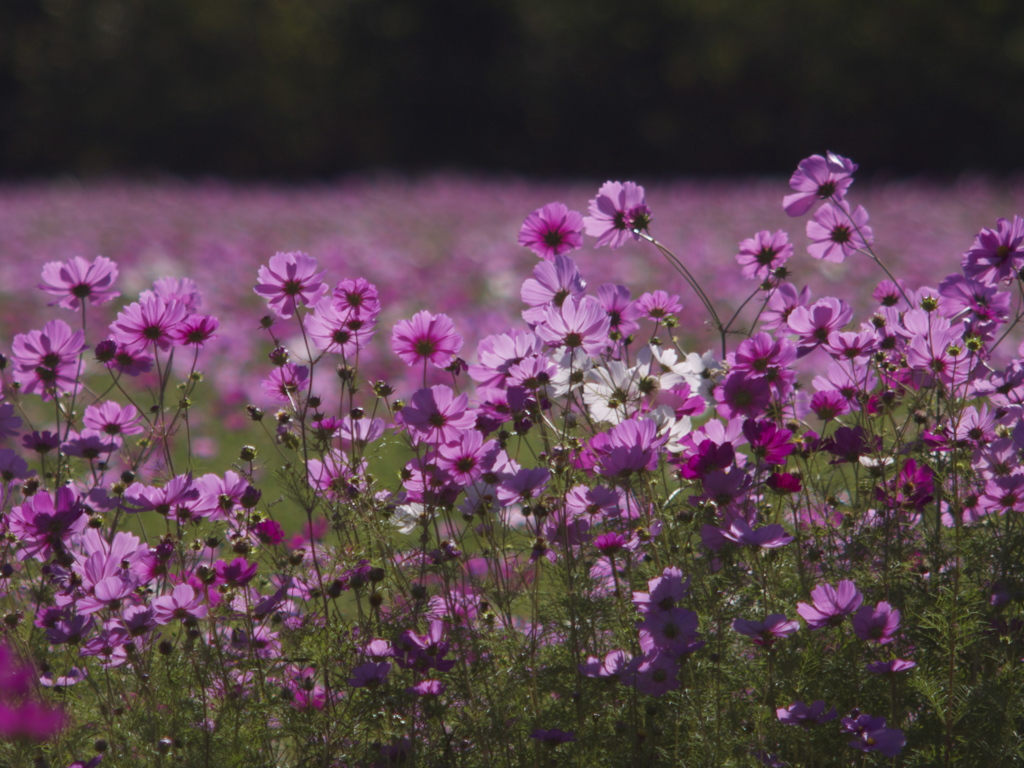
[
  {"x": 610, "y": 543},
  {"x": 618, "y": 211},
  {"x": 46, "y": 361},
  {"x": 551, "y": 231},
  {"x": 426, "y": 338},
  {"x": 818, "y": 178},
  {"x": 764, "y": 253},
  {"x": 43, "y": 525},
  {"x": 77, "y": 279},
  {"x": 831, "y": 604},
  {"x": 290, "y": 279},
  {"x": 182, "y": 604},
  {"x": 195, "y": 331},
  {"x": 742, "y": 395},
  {"x": 577, "y": 323},
  {"x": 21, "y": 716},
  {"x": 149, "y": 322},
  {"x": 878, "y": 624},
  {"x": 836, "y": 233}
]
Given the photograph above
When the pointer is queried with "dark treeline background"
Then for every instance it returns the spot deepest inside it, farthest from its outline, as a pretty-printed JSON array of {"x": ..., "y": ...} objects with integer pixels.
[{"x": 298, "y": 89}]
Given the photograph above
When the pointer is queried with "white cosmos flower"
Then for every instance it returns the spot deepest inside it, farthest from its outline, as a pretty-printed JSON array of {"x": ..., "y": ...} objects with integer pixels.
[
  {"x": 572, "y": 369},
  {"x": 612, "y": 392}
]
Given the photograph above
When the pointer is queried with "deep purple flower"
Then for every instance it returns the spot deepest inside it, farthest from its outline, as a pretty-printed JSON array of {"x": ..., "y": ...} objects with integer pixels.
[
  {"x": 370, "y": 674},
  {"x": 830, "y": 604},
  {"x": 769, "y": 443},
  {"x": 799, "y": 713},
  {"x": 742, "y": 395},
  {"x": 426, "y": 338},
  {"x": 43, "y": 524},
  {"x": 872, "y": 735},
  {"x": 610, "y": 543},
  {"x": 77, "y": 279},
  {"x": 290, "y": 278},
  {"x": 878, "y": 624},
  {"x": 890, "y": 667},
  {"x": 552, "y": 231},
  {"x": 774, "y": 627},
  {"x": 616, "y": 213}
]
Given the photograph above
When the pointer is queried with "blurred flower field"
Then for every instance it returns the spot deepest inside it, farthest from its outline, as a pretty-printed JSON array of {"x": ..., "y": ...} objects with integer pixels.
[{"x": 447, "y": 243}]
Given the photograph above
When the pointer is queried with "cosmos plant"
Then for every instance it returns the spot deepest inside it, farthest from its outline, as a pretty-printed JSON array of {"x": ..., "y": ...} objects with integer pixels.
[{"x": 576, "y": 541}]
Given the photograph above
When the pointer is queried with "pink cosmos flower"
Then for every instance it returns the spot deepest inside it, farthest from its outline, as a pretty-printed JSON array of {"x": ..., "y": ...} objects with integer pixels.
[
  {"x": 552, "y": 283},
  {"x": 871, "y": 735},
  {"x": 878, "y": 624},
  {"x": 436, "y": 416},
  {"x": 815, "y": 323},
  {"x": 831, "y": 604},
  {"x": 151, "y": 322},
  {"x": 552, "y": 231},
  {"x": 183, "y": 604},
  {"x": 290, "y": 278},
  {"x": 818, "y": 178},
  {"x": 195, "y": 331},
  {"x": 113, "y": 419},
  {"x": 183, "y": 289},
  {"x": 763, "y": 253},
  {"x": 286, "y": 382},
  {"x": 997, "y": 254},
  {"x": 330, "y": 328},
  {"x": 46, "y": 361},
  {"x": 774, "y": 627},
  {"x": 77, "y": 279},
  {"x": 836, "y": 233},
  {"x": 617, "y": 212},
  {"x": 577, "y": 323},
  {"x": 658, "y": 305},
  {"x": 426, "y": 338}
]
